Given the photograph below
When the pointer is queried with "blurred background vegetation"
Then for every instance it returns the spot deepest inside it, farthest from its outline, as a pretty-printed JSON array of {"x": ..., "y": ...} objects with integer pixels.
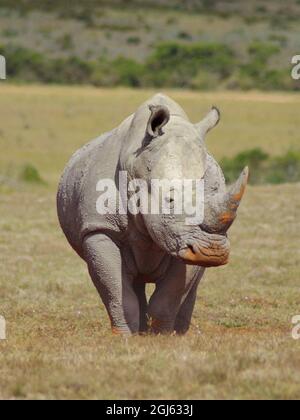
[
  {"x": 194, "y": 44},
  {"x": 264, "y": 169}
]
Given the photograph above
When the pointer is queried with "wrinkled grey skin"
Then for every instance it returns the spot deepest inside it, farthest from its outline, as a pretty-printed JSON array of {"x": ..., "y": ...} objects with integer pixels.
[{"x": 124, "y": 252}]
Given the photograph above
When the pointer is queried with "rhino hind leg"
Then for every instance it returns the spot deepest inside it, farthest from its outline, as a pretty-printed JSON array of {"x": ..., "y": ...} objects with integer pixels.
[
  {"x": 113, "y": 283},
  {"x": 140, "y": 290},
  {"x": 184, "y": 317}
]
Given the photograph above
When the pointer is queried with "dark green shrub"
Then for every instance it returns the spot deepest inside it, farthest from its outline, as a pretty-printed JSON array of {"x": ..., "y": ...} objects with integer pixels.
[
  {"x": 134, "y": 40},
  {"x": 10, "y": 33},
  {"x": 263, "y": 168},
  {"x": 71, "y": 71},
  {"x": 31, "y": 175},
  {"x": 281, "y": 39},
  {"x": 172, "y": 20},
  {"x": 261, "y": 9},
  {"x": 255, "y": 159},
  {"x": 284, "y": 168},
  {"x": 256, "y": 74},
  {"x": 23, "y": 63},
  {"x": 117, "y": 27},
  {"x": 121, "y": 71},
  {"x": 83, "y": 13},
  {"x": 262, "y": 52},
  {"x": 174, "y": 64},
  {"x": 279, "y": 22},
  {"x": 127, "y": 72},
  {"x": 185, "y": 36},
  {"x": 66, "y": 42}
]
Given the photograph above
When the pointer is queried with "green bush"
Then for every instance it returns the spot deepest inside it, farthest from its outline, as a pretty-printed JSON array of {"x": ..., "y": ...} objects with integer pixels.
[
  {"x": 185, "y": 36},
  {"x": 263, "y": 168},
  {"x": 73, "y": 70},
  {"x": 255, "y": 159},
  {"x": 205, "y": 80},
  {"x": 10, "y": 33},
  {"x": 284, "y": 169},
  {"x": 121, "y": 71},
  {"x": 134, "y": 40},
  {"x": 262, "y": 52},
  {"x": 281, "y": 39},
  {"x": 66, "y": 42},
  {"x": 174, "y": 64},
  {"x": 31, "y": 175},
  {"x": 256, "y": 73},
  {"x": 27, "y": 65},
  {"x": 127, "y": 72},
  {"x": 21, "y": 61}
]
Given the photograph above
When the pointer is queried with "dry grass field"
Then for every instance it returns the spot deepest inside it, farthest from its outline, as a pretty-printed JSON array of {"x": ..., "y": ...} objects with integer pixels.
[{"x": 58, "y": 340}]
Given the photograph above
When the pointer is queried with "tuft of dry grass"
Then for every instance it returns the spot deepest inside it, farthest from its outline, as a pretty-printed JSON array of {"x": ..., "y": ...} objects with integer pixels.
[{"x": 58, "y": 340}]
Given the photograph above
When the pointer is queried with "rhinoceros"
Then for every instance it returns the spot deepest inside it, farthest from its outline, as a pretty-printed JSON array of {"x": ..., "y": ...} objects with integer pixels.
[{"x": 123, "y": 251}]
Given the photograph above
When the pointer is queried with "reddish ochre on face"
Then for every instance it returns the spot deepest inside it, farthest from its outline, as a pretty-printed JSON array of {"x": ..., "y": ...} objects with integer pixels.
[{"x": 207, "y": 257}]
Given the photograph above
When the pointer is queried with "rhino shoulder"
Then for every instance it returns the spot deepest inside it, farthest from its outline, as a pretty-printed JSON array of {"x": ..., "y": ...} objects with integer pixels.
[{"x": 77, "y": 192}]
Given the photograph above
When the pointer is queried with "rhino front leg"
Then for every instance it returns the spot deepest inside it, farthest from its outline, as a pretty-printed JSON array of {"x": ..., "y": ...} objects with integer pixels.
[
  {"x": 184, "y": 317},
  {"x": 113, "y": 282},
  {"x": 169, "y": 296}
]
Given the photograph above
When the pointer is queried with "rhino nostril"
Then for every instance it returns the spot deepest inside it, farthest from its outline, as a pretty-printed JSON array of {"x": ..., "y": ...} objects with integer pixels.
[{"x": 193, "y": 249}]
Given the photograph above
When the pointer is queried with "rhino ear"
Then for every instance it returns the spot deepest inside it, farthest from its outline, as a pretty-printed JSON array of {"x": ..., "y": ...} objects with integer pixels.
[
  {"x": 160, "y": 116},
  {"x": 209, "y": 122}
]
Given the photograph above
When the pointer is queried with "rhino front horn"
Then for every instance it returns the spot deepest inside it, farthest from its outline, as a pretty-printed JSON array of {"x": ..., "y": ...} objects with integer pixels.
[{"x": 221, "y": 210}]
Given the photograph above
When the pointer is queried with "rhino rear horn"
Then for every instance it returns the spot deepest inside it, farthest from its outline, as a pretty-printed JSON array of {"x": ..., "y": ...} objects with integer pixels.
[
  {"x": 211, "y": 120},
  {"x": 160, "y": 116}
]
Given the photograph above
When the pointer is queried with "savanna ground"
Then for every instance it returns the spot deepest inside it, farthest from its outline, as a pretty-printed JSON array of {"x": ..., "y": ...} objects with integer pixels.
[{"x": 58, "y": 340}]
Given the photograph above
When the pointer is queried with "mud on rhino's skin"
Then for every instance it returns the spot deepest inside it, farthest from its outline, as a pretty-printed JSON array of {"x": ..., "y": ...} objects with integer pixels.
[{"x": 124, "y": 251}]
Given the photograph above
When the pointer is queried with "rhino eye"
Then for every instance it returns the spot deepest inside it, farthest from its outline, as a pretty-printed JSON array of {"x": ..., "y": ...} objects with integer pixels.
[{"x": 170, "y": 202}]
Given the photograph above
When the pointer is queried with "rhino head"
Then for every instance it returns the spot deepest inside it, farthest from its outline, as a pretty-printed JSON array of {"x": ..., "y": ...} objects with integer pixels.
[{"x": 162, "y": 143}]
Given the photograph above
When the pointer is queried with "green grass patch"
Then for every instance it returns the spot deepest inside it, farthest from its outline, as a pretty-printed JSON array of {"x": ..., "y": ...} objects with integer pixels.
[{"x": 30, "y": 174}]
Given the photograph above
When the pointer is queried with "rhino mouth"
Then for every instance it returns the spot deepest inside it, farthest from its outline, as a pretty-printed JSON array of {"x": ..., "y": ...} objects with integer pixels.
[{"x": 209, "y": 251}]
